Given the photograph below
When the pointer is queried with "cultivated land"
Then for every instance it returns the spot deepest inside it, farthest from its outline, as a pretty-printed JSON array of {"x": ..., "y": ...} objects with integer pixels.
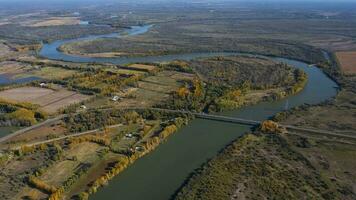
[
  {"x": 279, "y": 164},
  {"x": 4, "y": 49},
  {"x": 11, "y": 67},
  {"x": 16, "y": 70},
  {"x": 49, "y": 100},
  {"x": 347, "y": 61},
  {"x": 54, "y": 21},
  {"x": 79, "y": 170}
]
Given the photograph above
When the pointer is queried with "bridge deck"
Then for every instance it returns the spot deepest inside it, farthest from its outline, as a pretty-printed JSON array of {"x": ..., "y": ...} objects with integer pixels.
[{"x": 256, "y": 123}]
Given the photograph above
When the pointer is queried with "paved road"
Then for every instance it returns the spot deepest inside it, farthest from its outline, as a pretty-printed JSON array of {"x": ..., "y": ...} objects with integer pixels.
[
  {"x": 213, "y": 117},
  {"x": 256, "y": 123},
  {"x": 68, "y": 136},
  {"x": 198, "y": 115},
  {"x": 320, "y": 132},
  {"x": 22, "y": 131}
]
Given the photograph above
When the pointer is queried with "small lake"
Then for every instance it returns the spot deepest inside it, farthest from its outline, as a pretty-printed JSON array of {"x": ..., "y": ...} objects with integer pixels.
[
  {"x": 7, "y": 80},
  {"x": 7, "y": 130}
]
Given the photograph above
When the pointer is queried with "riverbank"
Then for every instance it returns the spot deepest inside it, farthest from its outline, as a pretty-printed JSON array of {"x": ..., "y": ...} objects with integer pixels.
[
  {"x": 194, "y": 133},
  {"x": 261, "y": 165},
  {"x": 289, "y": 165},
  {"x": 313, "y": 166},
  {"x": 318, "y": 88}
]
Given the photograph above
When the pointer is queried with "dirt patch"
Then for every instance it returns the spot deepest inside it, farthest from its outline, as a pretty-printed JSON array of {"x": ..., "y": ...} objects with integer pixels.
[
  {"x": 49, "y": 100},
  {"x": 347, "y": 61},
  {"x": 4, "y": 49},
  {"x": 11, "y": 67},
  {"x": 153, "y": 90},
  {"x": 55, "y": 21},
  {"x": 41, "y": 133},
  {"x": 94, "y": 172},
  {"x": 13, "y": 172},
  {"x": 143, "y": 67},
  {"x": 61, "y": 171}
]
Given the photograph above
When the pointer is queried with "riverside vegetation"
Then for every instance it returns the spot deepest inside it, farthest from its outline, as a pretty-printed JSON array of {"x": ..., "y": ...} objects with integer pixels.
[
  {"x": 19, "y": 114},
  {"x": 230, "y": 82},
  {"x": 114, "y": 156},
  {"x": 275, "y": 163},
  {"x": 115, "y": 149}
]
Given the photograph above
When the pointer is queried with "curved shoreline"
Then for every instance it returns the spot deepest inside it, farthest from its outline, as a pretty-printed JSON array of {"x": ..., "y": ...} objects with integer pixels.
[{"x": 198, "y": 141}]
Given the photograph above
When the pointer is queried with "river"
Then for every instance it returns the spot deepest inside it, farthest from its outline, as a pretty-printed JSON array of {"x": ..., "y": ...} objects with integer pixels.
[{"x": 159, "y": 174}]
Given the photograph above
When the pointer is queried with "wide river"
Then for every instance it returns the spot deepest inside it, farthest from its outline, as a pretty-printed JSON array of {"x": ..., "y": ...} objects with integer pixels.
[{"x": 158, "y": 175}]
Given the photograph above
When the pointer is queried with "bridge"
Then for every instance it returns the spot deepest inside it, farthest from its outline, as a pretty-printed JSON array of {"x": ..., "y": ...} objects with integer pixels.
[
  {"x": 256, "y": 123},
  {"x": 214, "y": 117}
]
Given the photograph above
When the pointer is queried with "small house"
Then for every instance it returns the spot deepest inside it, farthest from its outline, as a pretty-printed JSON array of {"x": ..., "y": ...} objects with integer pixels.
[
  {"x": 138, "y": 148},
  {"x": 116, "y": 98}
]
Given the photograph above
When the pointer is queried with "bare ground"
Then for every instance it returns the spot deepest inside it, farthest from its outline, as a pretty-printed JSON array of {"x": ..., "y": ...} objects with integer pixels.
[
  {"x": 49, "y": 100},
  {"x": 347, "y": 60}
]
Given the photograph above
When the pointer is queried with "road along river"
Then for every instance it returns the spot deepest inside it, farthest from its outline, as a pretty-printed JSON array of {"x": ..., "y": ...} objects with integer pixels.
[{"x": 159, "y": 174}]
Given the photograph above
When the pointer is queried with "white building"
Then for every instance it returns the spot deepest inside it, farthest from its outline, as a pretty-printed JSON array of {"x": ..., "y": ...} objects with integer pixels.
[{"x": 116, "y": 98}]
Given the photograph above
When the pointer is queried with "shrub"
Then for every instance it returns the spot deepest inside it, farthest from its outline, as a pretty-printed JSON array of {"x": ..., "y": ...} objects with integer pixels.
[
  {"x": 39, "y": 184},
  {"x": 270, "y": 126}
]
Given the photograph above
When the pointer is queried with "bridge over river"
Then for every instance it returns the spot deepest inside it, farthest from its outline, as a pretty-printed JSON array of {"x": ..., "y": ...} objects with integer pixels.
[{"x": 255, "y": 123}]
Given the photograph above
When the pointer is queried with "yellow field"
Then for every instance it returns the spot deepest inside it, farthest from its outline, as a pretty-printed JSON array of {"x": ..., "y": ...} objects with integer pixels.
[
  {"x": 143, "y": 67},
  {"x": 56, "y": 21},
  {"x": 347, "y": 61},
  {"x": 49, "y": 100},
  {"x": 153, "y": 90}
]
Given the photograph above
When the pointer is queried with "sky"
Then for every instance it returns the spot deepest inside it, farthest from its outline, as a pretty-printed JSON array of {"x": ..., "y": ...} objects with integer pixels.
[{"x": 83, "y": 2}]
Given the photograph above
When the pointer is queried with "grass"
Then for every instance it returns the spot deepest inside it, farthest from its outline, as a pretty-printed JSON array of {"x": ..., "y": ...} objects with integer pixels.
[
  {"x": 151, "y": 90},
  {"x": 338, "y": 117},
  {"x": 258, "y": 167},
  {"x": 54, "y": 21},
  {"x": 49, "y": 100},
  {"x": 15, "y": 171},
  {"x": 143, "y": 67},
  {"x": 121, "y": 142},
  {"x": 58, "y": 173},
  {"x": 95, "y": 171},
  {"x": 334, "y": 160},
  {"x": 347, "y": 61},
  {"x": 52, "y": 73},
  {"x": 7, "y": 130}
]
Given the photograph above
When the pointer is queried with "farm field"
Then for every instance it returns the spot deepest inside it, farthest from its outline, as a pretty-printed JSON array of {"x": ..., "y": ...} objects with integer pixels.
[
  {"x": 49, "y": 73},
  {"x": 13, "y": 68},
  {"x": 143, "y": 67},
  {"x": 4, "y": 49},
  {"x": 75, "y": 163},
  {"x": 347, "y": 61},
  {"x": 153, "y": 90},
  {"x": 20, "y": 70},
  {"x": 53, "y": 21},
  {"x": 49, "y": 100},
  {"x": 42, "y": 133}
]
